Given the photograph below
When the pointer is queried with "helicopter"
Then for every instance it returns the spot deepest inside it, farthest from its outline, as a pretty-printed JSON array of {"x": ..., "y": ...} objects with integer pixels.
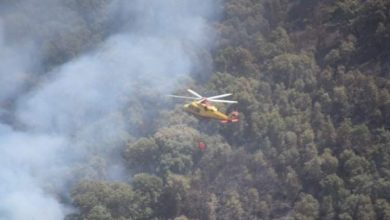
[{"x": 203, "y": 108}]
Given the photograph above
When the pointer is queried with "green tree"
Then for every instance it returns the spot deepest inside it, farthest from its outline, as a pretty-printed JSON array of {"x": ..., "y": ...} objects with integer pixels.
[
  {"x": 294, "y": 70},
  {"x": 99, "y": 213},
  {"x": 334, "y": 186},
  {"x": 105, "y": 199},
  {"x": 231, "y": 207},
  {"x": 147, "y": 191},
  {"x": 382, "y": 209},
  {"x": 327, "y": 211},
  {"x": 237, "y": 61},
  {"x": 344, "y": 134},
  {"x": 142, "y": 155},
  {"x": 329, "y": 163},
  {"x": 358, "y": 207},
  {"x": 360, "y": 138},
  {"x": 306, "y": 208},
  {"x": 176, "y": 144},
  {"x": 174, "y": 196},
  {"x": 354, "y": 165},
  {"x": 293, "y": 183}
]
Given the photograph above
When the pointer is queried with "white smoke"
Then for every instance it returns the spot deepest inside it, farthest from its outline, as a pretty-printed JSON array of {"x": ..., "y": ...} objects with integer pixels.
[
  {"x": 27, "y": 162},
  {"x": 75, "y": 109},
  {"x": 14, "y": 65}
]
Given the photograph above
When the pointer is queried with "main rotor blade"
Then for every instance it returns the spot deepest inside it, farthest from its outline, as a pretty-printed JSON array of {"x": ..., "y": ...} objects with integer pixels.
[
  {"x": 219, "y": 96},
  {"x": 194, "y": 93},
  {"x": 220, "y": 100},
  {"x": 183, "y": 97}
]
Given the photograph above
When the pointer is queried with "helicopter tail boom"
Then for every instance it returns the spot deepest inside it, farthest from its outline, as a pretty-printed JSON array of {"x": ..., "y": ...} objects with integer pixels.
[{"x": 233, "y": 117}]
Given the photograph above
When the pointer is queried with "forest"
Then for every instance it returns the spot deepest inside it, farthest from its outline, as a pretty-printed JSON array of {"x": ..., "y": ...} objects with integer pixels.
[{"x": 312, "y": 81}]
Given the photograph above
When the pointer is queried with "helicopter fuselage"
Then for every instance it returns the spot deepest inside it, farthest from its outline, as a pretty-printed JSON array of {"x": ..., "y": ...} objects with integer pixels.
[
  {"x": 202, "y": 106},
  {"x": 203, "y": 109}
]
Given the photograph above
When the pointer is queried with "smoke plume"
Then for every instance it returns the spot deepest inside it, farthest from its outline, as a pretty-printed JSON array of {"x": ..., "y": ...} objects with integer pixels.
[{"x": 65, "y": 72}]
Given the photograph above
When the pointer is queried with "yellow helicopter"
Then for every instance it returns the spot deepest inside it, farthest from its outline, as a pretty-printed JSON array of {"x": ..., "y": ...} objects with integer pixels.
[{"x": 202, "y": 107}]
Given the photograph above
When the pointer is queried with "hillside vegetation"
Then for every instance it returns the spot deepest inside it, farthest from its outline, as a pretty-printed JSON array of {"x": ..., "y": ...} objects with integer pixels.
[{"x": 313, "y": 142}]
